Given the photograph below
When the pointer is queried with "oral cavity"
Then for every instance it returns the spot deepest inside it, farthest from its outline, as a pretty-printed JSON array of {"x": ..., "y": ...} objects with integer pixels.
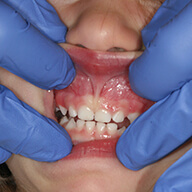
[
  {"x": 83, "y": 124},
  {"x": 99, "y": 104}
]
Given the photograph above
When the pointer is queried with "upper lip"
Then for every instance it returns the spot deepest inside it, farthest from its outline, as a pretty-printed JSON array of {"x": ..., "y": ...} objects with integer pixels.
[{"x": 100, "y": 60}]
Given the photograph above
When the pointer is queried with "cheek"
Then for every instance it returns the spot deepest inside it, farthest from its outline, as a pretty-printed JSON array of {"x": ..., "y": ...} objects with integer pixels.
[
  {"x": 25, "y": 91},
  {"x": 25, "y": 174}
]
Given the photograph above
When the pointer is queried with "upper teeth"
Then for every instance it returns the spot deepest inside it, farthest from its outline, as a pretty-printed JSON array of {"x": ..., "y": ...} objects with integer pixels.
[
  {"x": 102, "y": 116},
  {"x": 118, "y": 117},
  {"x": 133, "y": 116},
  {"x": 85, "y": 113},
  {"x": 72, "y": 112},
  {"x": 63, "y": 110}
]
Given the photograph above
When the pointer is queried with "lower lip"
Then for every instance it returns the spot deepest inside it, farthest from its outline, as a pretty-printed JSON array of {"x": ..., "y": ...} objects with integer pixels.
[{"x": 104, "y": 148}]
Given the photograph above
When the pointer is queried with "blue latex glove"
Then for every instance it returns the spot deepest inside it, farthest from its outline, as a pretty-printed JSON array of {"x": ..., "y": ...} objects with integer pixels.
[
  {"x": 26, "y": 52},
  {"x": 163, "y": 73}
]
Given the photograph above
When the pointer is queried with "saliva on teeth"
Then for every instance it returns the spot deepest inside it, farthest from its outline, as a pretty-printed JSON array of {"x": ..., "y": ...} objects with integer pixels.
[{"x": 84, "y": 123}]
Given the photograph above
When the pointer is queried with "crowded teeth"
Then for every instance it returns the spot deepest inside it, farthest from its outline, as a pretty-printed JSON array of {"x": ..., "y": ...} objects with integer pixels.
[
  {"x": 132, "y": 116},
  {"x": 111, "y": 128},
  {"x": 103, "y": 116},
  {"x": 63, "y": 110},
  {"x": 72, "y": 112},
  {"x": 85, "y": 113},
  {"x": 118, "y": 117},
  {"x": 90, "y": 125},
  {"x": 101, "y": 127},
  {"x": 71, "y": 124},
  {"x": 80, "y": 124}
]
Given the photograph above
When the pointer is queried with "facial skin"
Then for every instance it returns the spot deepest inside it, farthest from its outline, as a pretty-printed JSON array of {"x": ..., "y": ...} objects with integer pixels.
[{"x": 105, "y": 25}]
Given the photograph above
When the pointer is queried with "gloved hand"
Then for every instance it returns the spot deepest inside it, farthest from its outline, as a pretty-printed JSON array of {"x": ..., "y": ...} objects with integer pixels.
[
  {"x": 163, "y": 73},
  {"x": 28, "y": 53}
]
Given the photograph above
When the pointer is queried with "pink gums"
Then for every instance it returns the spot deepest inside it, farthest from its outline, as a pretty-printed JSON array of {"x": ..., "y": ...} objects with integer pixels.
[{"x": 104, "y": 77}]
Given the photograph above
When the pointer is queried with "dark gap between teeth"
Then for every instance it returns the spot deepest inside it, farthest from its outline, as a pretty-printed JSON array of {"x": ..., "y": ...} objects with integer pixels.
[
  {"x": 125, "y": 123},
  {"x": 58, "y": 116}
]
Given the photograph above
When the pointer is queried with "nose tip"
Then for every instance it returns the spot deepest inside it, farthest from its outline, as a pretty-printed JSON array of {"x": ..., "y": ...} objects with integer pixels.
[{"x": 105, "y": 32}]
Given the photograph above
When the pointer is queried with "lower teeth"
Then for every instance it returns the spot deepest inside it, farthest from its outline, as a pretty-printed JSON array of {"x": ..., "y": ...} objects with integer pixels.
[{"x": 111, "y": 128}]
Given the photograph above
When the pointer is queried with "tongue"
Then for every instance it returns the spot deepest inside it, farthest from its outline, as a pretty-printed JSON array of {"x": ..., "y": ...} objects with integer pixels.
[{"x": 101, "y": 82}]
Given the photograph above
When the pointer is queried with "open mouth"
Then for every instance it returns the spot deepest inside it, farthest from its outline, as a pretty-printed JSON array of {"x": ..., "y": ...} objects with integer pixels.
[
  {"x": 98, "y": 125},
  {"x": 99, "y": 104}
]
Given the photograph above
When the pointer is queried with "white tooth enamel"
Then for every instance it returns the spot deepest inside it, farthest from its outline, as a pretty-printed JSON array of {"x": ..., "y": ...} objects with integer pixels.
[
  {"x": 103, "y": 116},
  {"x": 118, "y": 117},
  {"x": 63, "y": 110},
  {"x": 71, "y": 124},
  {"x": 64, "y": 120},
  {"x": 111, "y": 128},
  {"x": 90, "y": 125},
  {"x": 80, "y": 124},
  {"x": 72, "y": 112},
  {"x": 132, "y": 116},
  {"x": 120, "y": 131},
  {"x": 101, "y": 127},
  {"x": 57, "y": 109},
  {"x": 85, "y": 113}
]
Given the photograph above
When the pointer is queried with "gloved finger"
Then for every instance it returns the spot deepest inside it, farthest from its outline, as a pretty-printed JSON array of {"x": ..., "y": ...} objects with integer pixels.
[
  {"x": 24, "y": 131},
  {"x": 165, "y": 65},
  {"x": 43, "y": 16},
  {"x": 168, "y": 10},
  {"x": 25, "y": 52},
  {"x": 178, "y": 177},
  {"x": 158, "y": 131},
  {"x": 4, "y": 155}
]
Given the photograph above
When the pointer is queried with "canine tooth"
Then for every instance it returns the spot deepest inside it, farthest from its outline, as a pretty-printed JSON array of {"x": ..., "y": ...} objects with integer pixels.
[
  {"x": 71, "y": 124},
  {"x": 72, "y": 112},
  {"x": 132, "y": 116},
  {"x": 120, "y": 131},
  {"x": 64, "y": 120},
  {"x": 118, "y": 117},
  {"x": 80, "y": 124},
  {"x": 111, "y": 128},
  {"x": 90, "y": 125},
  {"x": 103, "y": 116},
  {"x": 63, "y": 110},
  {"x": 85, "y": 113},
  {"x": 100, "y": 127}
]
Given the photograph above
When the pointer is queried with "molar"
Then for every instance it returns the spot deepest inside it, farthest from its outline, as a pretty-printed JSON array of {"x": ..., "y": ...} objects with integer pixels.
[
  {"x": 85, "y": 113},
  {"x": 72, "y": 112},
  {"x": 118, "y": 117},
  {"x": 103, "y": 116},
  {"x": 133, "y": 116},
  {"x": 111, "y": 128}
]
